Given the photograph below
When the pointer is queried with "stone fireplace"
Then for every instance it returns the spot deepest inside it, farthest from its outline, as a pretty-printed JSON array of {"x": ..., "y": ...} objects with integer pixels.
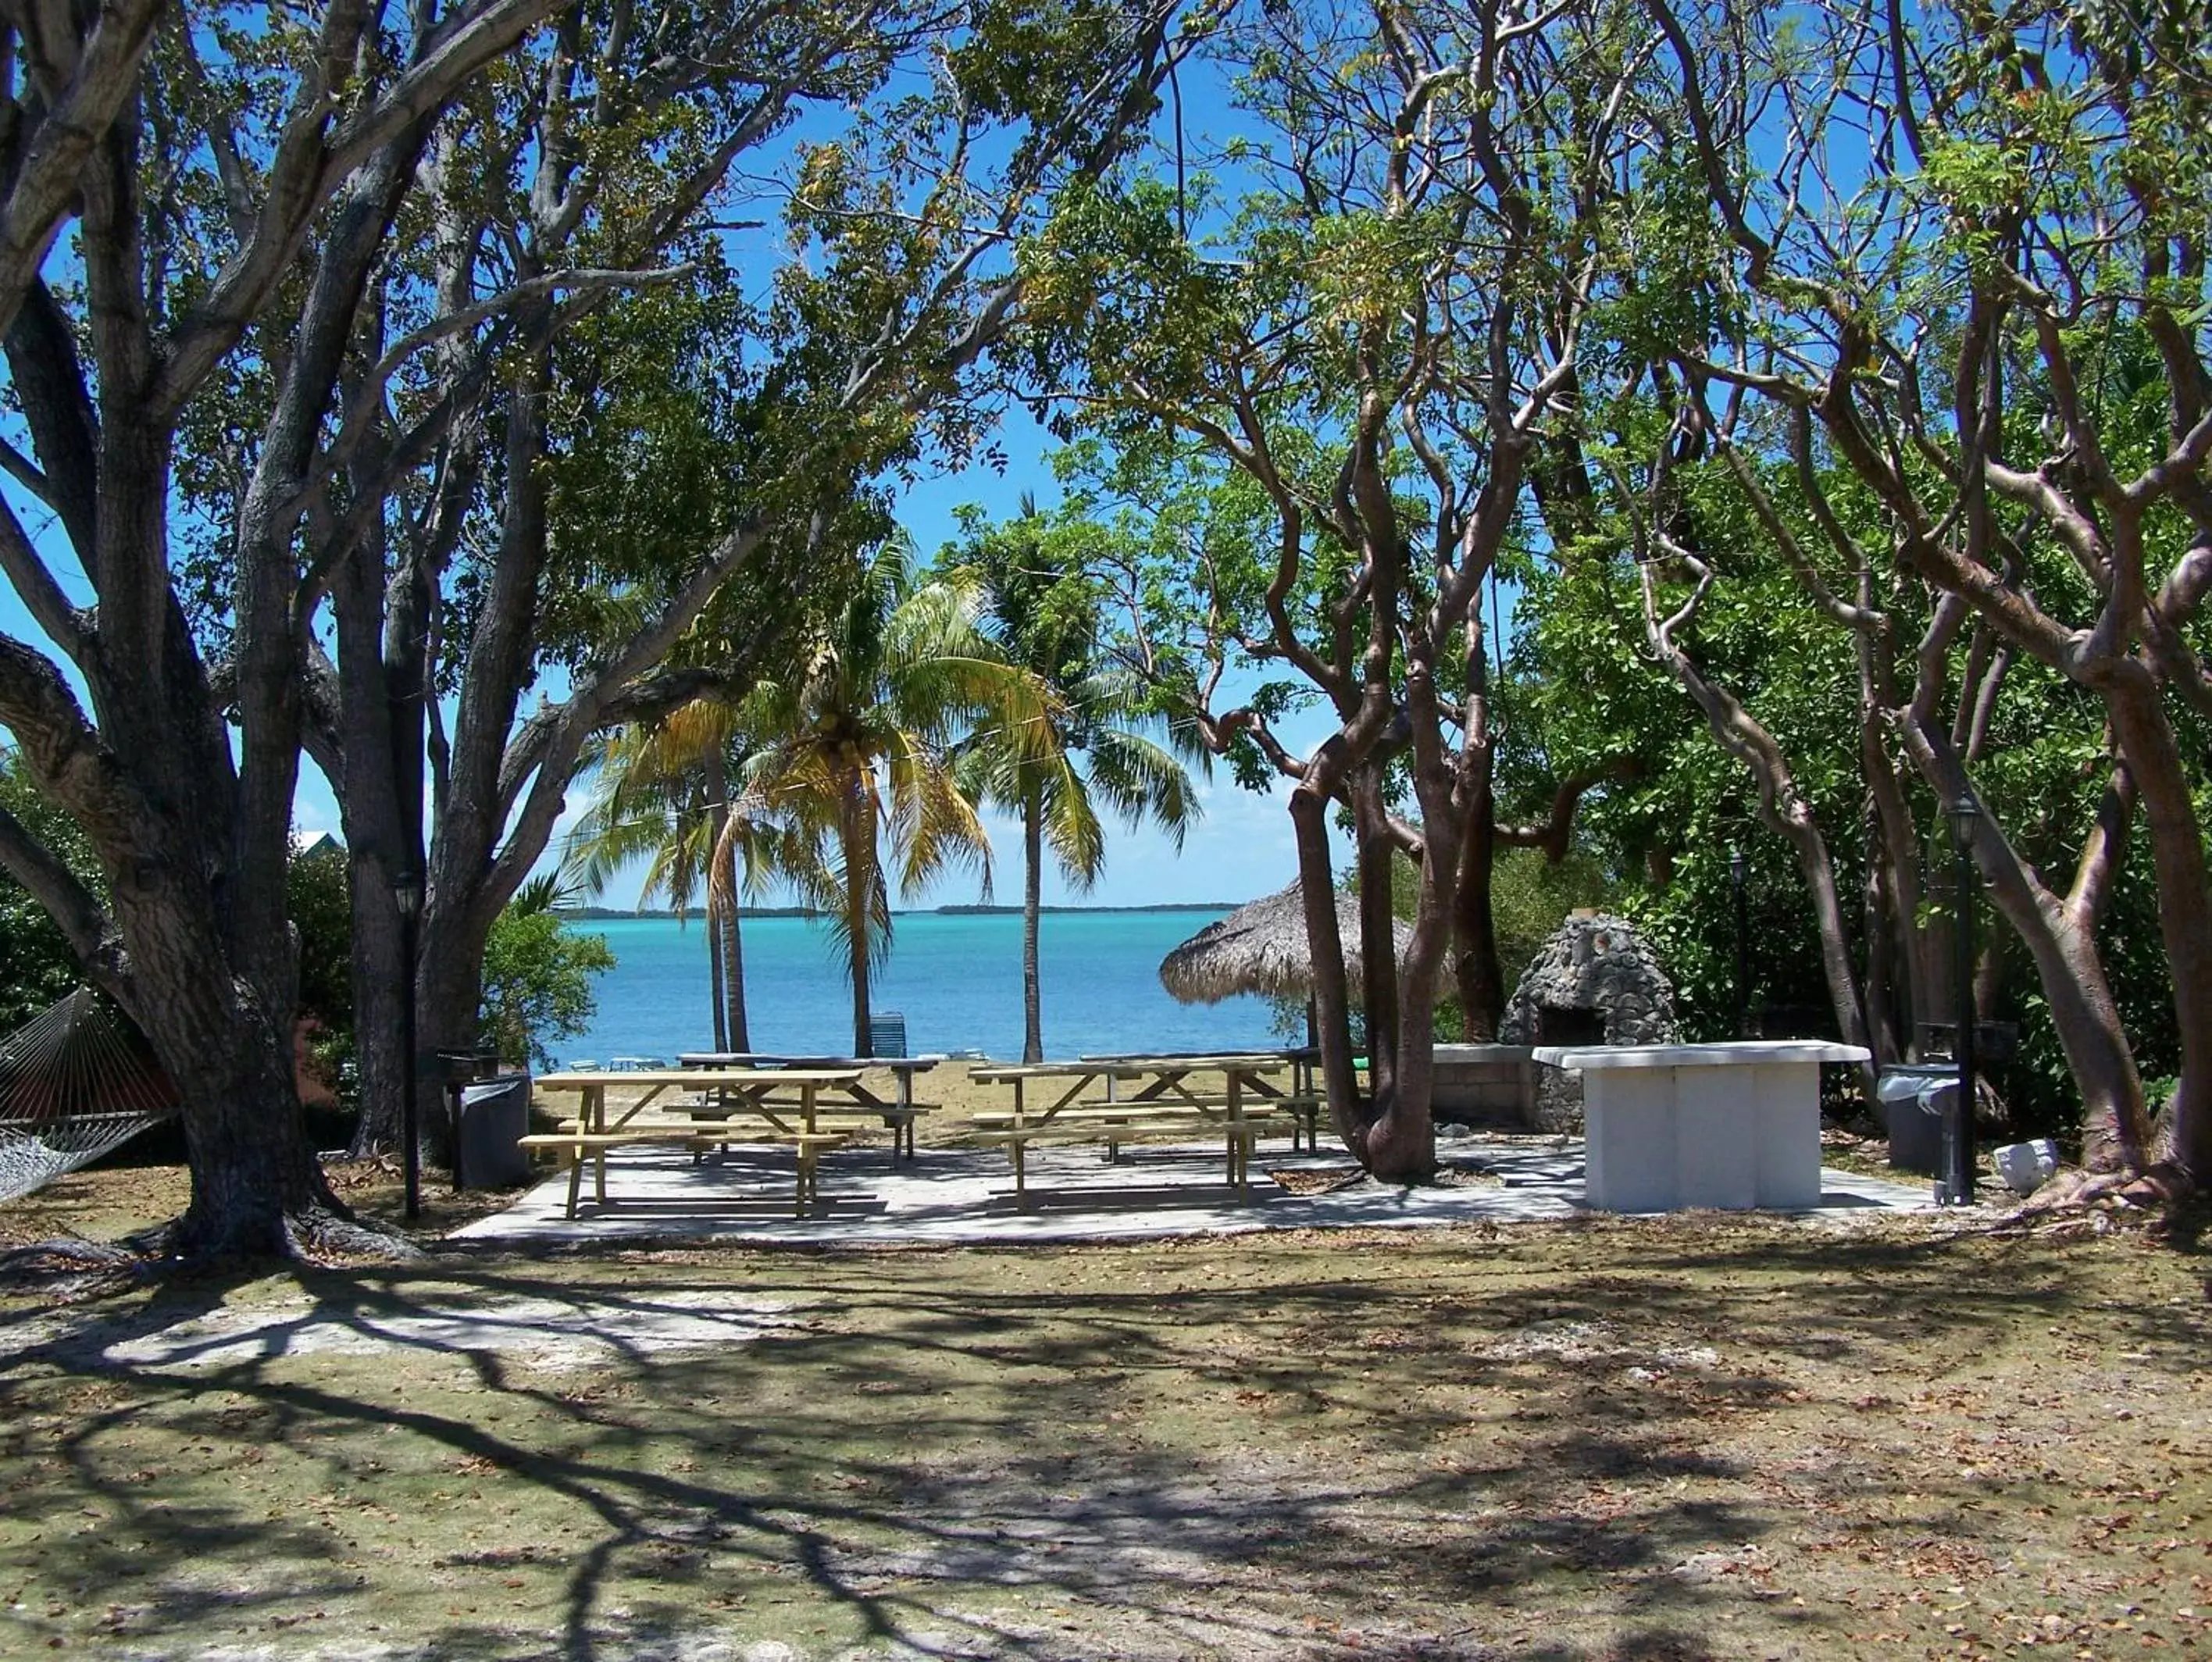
[
  {"x": 1595, "y": 982},
  {"x": 1564, "y": 1024}
]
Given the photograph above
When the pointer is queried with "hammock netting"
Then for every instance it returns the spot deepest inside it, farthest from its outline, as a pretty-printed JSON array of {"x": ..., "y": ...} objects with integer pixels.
[{"x": 76, "y": 1081}]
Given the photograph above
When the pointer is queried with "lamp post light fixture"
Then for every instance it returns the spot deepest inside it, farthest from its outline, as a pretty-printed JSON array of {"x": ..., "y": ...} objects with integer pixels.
[
  {"x": 1736, "y": 870},
  {"x": 1957, "y": 1188},
  {"x": 407, "y": 891}
]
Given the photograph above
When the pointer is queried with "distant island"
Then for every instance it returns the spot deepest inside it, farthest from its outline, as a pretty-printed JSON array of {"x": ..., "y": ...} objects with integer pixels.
[
  {"x": 613, "y": 914},
  {"x": 601, "y": 914},
  {"x": 1015, "y": 911}
]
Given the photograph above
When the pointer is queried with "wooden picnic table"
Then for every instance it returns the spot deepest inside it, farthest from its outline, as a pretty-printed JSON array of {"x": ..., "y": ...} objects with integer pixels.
[
  {"x": 1163, "y": 1095},
  {"x": 1303, "y": 1099},
  {"x": 899, "y": 1113},
  {"x": 746, "y": 1090}
]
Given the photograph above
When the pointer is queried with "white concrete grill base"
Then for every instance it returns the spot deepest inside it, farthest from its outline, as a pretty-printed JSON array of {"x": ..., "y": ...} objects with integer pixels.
[{"x": 1733, "y": 1126}]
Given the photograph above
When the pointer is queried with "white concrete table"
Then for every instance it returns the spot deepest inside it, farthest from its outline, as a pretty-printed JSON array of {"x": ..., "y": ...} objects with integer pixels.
[{"x": 1733, "y": 1126}]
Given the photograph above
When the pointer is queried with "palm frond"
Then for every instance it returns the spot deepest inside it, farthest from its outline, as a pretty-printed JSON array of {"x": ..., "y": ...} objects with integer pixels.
[
  {"x": 932, "y": 824},
  {"x": 1071, "y": 829},
  {"x": 1140, "y": 780}
]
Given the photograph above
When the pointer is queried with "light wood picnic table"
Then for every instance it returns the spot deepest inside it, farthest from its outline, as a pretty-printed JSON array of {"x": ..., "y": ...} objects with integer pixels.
[
  {"x": 899, "y": 1113},
  {"x": 1302, "y": 1100},
  {"x": 746, "y": 1090},
  {"x": 1162, "y": 1085}
]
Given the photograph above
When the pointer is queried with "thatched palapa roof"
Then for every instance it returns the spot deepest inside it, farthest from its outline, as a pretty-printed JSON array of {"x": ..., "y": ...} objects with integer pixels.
[{"x": 1262, "y": 948}]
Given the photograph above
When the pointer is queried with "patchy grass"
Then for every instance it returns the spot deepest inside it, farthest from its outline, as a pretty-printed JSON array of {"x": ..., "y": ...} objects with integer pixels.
[
  {"x": 107, "y": 1203},
  {"x": 1687, "y": 1438}
]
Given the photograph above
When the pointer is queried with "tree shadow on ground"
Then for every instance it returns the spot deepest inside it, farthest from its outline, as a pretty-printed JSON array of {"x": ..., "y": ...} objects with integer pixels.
[{"x": 1270, "y": 1464}]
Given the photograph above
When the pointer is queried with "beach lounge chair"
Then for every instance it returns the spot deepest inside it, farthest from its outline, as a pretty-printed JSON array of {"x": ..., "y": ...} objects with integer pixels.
[{"x": 887, "y": 1034}]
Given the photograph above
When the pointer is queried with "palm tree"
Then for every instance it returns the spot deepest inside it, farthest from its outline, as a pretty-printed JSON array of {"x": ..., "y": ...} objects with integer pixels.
[
  {"x": 664, "y": 797},
  {"x": 1045, "y": 608},
  {"x": 859, "y": 743}
]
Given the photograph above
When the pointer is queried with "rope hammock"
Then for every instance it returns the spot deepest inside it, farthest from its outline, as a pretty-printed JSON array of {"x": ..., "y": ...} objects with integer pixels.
[{"x": 76, "y": 1081}]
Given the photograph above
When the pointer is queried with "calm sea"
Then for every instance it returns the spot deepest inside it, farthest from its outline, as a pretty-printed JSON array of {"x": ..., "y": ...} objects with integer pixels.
[{"x": 957, "y": 979}]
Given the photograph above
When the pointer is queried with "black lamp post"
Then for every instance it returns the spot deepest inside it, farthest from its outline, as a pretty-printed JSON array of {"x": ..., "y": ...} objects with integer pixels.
[
  {"x": 407, "y": 891},
  {"x": 1957, "y": 1186},
  {"x": 1742, "y": 947}
]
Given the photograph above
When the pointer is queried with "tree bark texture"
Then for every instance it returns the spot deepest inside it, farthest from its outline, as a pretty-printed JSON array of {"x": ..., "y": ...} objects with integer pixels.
[
  {"x": 1332, "y": 1001},
  {"x": 2146, "y": 738},
  {"x": 732, "y": 1031},
  {"x": 1479, "y": 979},
  {"x": 718, "y": 1010},
  {"x": 2069, "y": 967},
  {"x": 1032, "y": 909},
  {"x": 859, "y": 835}
]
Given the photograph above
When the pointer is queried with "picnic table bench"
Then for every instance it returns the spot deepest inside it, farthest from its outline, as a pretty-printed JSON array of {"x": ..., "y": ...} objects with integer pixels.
[
  {"x": 1302, "y": 1101},
  {"x": 897, "y": 1114},
  {"x": 1162, "y": 1101},
  {"x": 589, "y": 1134},
  {"x": 1115, "y": 1125}
]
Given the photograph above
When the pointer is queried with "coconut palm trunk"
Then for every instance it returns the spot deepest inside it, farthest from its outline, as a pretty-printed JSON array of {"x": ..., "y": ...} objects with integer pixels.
[
  {"x": 714, "y": 978},
  {"x": 730, "y": 1024},
  {"x": 858, "y": 834},
  {"x": 707, "y": 800},
  {"x": 734, "y": 976},
  {"x": 1032, "y": 895}
]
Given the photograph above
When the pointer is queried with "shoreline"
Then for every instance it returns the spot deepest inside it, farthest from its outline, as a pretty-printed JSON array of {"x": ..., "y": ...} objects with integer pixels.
[{"x": 600, "y": 914}]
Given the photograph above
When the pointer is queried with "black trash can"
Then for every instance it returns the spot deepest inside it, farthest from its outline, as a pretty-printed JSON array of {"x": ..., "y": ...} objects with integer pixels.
[
  {"x": 494, "y": 1118},
  {"x": 1913, "y": 1098}
]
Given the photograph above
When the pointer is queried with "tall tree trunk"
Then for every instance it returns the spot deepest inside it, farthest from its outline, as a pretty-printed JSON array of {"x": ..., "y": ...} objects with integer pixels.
[
  {"x": 859, "y": 832},
  {"x": 714, "y": 976},
  {"x": 722, "y": 919},
  {"x": 254, "y": 1179},
  {"x": 734, "y": 976},
  {"x": 1402, "y": 1142},
  {"x": 380, "y": 986},
  {"x": 1913, "y": 966},
  {"x": 1478, "y": 976},
  {"x": 448, "y": 1016},
  {"x": 1332, "y": 1002},
  {"x": 706, "y": 799},
  {"x": 2068, "y": 966},
  {"x": 1884, "y": 949},
  {"x": 2184, "y": 912},
  {"x": 1378, "y": 951},
  {"x": 1032, "y": 908}
]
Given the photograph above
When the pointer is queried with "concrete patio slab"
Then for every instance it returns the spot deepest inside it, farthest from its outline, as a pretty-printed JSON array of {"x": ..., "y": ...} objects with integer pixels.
[{"x": 951, "y": 1197}]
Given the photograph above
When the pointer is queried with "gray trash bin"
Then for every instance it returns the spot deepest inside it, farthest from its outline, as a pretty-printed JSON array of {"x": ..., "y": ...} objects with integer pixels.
[
  {"x": 1913, "y": 1098},
  {"x": 494, "y": 1118}
]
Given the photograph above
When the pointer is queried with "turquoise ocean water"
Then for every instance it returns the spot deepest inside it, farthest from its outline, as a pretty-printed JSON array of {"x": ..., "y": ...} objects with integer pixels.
[{"x": 956, "y": 978}]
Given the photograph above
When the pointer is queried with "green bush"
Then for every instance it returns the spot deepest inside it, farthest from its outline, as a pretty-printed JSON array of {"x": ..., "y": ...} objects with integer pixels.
[{"x": 538, "y": 979}]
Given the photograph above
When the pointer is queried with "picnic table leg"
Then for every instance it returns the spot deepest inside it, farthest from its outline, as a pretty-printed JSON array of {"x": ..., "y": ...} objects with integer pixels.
[
  {"x": 575, "y": 1178},
  {"x": 1018, "y": 1148},
  {"x": 1240, "y": 1148},
  {"x": 809, "y": 1173},
  {"x": 599, "y": 1121}
]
